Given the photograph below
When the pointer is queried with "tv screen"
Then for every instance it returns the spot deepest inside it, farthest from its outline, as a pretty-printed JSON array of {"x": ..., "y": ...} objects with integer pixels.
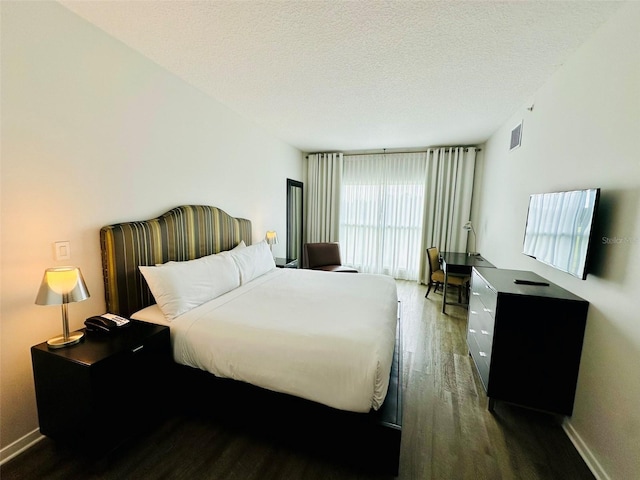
[{"x": 559, "y": 229}]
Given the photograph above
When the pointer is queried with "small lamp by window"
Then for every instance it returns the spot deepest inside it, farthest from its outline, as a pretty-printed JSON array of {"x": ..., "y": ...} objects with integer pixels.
[
  {"x": 469, "y": 227},
  {"x": 272, "y": 238},
  {"x": 61, "y": 286}
]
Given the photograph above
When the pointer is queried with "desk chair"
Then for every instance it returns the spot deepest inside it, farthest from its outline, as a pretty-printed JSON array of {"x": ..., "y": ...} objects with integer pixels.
[
  {"x": 324, "y": 256},
  {"x": 436, "y": 275}
]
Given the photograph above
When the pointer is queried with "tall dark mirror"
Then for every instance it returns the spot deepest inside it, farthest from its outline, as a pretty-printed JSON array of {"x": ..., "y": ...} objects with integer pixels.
[{"x": 294, "y": 219}]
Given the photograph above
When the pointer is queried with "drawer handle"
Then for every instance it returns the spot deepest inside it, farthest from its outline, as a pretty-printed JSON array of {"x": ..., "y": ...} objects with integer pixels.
[
  {"x": 484, "y": 332},
  {"x": 487, "y": 310},
  {"x": 471, "y": 330},
  {"x": 137, "y": 349},
  {"x": 473, "y": 312},
  {"x": 482, "y": 354},
  {"x": 475, "y": 293}
]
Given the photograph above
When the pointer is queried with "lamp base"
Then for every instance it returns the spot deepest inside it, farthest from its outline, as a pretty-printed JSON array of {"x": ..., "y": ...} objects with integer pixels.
[{"x": 61, "y": 342}]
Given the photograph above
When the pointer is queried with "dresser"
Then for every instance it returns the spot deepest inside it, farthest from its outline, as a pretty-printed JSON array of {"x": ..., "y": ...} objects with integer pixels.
[
  {"x": 101, "y": 391},
  {"x": 525, "y": 339}
]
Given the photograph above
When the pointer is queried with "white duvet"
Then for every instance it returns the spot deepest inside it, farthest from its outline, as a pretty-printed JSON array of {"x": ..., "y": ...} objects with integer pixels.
[{"x": 324, "y": 336}]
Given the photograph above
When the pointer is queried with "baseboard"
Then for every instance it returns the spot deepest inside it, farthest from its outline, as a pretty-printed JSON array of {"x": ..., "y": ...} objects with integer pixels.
[
  {"x": 584, "y": 451},
  {"x": 20, "y": 445}
]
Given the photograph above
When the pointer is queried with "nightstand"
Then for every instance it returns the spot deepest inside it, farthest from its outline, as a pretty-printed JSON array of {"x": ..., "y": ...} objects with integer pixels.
[
  {"x": 101, "y": 391},
  {"x": 286, "y": 262}
]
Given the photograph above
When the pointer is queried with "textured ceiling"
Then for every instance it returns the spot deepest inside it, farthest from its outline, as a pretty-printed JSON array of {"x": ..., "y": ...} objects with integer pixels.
[{"x": 356, "y": 75}]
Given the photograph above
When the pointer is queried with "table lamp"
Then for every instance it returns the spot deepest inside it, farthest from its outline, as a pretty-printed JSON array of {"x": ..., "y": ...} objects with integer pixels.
[
  {"x": 272, "y": 238},
  {"x": 469, "y": 227},
  {"x": 61, "y": 286}
]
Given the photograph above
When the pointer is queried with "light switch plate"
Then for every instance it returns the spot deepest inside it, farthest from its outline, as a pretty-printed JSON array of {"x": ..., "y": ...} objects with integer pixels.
[{"x": 62, "y": 250}]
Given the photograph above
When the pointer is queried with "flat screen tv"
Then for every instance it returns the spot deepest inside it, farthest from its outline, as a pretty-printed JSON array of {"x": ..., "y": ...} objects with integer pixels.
[{"x": 559, "y": 229}]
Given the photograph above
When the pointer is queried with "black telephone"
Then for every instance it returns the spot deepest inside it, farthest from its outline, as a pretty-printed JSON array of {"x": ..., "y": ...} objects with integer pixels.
[{"x": 105, "y": 323}]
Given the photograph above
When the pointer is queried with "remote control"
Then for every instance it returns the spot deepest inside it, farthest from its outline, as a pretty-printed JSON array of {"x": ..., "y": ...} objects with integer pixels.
[{"x": 519, "y": 281}]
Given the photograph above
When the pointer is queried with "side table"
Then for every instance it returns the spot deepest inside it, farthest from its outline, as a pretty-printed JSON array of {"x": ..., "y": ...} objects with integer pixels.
[
  {"x": 286, "y": 262},
  {"x": 98, "y": 392}
]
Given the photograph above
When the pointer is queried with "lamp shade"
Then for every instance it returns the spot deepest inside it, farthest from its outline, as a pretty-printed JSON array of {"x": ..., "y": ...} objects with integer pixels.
[
  {"x": 271, "y": 237},
  {"x": 62, "y": 285}
]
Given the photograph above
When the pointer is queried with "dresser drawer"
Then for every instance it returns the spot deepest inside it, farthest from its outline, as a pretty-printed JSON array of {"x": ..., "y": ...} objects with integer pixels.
[
  {"x": 476, "y": 306},
  {"x": 481, "y": 359},
  {"x": 482, "y": 291},
  {"x": 485, "y": 342},
  {"x": 481, "y": 323},
  {"x": 482, "y": 328}
]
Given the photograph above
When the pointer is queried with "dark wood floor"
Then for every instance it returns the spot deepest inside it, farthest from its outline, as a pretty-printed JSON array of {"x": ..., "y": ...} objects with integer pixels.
[{"x": 447, "y": 434}]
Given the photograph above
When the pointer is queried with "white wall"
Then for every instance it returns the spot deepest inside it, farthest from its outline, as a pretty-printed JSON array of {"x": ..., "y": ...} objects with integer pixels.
[
  {"x": 583, "y": 132},
  {"x": 92, "y": 134}
]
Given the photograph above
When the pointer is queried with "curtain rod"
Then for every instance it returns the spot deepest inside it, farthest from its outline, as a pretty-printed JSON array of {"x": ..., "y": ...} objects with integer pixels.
[{"x": 447, "y": 149}]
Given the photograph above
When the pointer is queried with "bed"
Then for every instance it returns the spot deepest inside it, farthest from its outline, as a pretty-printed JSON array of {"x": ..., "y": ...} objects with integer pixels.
[{"x": 328, "y": 339}]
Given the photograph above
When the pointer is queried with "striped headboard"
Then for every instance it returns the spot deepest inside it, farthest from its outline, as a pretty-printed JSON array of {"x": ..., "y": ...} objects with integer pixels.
[{"x": 184, "y": 233}]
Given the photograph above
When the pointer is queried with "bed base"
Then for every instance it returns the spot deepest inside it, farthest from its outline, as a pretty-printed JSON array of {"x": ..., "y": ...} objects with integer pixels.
[{"x": 366, "y": 441}]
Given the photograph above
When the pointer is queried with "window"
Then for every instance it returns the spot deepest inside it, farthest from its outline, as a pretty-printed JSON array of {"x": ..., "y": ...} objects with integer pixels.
[{"x": 381, "y": 215}]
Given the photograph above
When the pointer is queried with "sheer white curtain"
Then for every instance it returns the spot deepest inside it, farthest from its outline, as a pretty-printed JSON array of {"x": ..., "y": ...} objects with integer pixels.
[
  {"x": 324, "y": 178},
  {"x": 382, "y": 212},
  {"x": 447, "y": 200}
]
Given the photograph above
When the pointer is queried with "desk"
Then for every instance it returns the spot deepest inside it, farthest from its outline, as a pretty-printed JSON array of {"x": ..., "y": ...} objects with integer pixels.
[{"x": 459, "y": 263}]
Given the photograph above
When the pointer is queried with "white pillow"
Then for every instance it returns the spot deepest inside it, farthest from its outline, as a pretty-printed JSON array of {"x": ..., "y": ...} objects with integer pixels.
[
  {"x": 240, "y": 246},
  {"x": 253, "y": 261},
  {"x": 180, "y": 286}
]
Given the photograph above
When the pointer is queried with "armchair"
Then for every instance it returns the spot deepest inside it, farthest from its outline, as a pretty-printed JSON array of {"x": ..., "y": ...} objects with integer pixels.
[{"x": 324, "y": 256}]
